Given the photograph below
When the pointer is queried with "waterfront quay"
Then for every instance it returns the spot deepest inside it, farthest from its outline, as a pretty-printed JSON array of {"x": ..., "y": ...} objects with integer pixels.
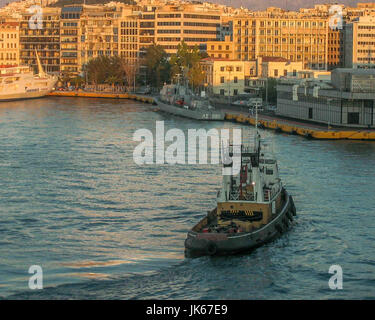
[
  {"x": 82, "y": 94},
  {"x": 308, "y": 130},
  {"x": 240, "y": 115}
]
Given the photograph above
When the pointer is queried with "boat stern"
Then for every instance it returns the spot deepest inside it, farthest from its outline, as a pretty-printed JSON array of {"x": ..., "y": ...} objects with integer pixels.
[{"x": 199, "y": 244}]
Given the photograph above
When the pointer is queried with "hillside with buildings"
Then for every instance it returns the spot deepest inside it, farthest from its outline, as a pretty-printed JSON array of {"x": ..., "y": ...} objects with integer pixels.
[
  {"x": 284, "y": 4},
  {"x": 61, "y": 3}
]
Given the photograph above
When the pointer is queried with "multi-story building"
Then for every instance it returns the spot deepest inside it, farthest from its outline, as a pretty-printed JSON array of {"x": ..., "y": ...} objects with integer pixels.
[
  {"x": 45, "y": 39},
  {"x": 335, "y": 48},
  {"x": 146, "y": 29},
  {"x": 221, "y": 49},
  {"x": 347, "y": 100},
  {"x": 70, "y": 39},
  {"x": 224, "y": 76},
  {"x": 71, "y": 36},
  {"x": 290, "y": 35},
  {"x": 360, "y": 43},
  {"x": 9, "y": 43},
  {"x": 169, "y": 25},
  {"x": 199, "y": 24},
  {"x": 87, "y": 32},
  {"x": 129, "y": 29},
  {"x": 277, "y": 67},
  {"x": 99, "y": 33}
]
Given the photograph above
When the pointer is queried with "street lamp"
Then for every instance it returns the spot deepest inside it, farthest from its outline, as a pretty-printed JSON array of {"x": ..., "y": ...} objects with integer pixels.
[
  {"x": 329, "y": 112},
  {"x": 229, "y": 69}
]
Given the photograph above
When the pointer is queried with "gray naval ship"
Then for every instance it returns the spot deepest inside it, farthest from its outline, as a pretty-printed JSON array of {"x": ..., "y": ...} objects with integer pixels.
[{"x": 179, "y": 100}]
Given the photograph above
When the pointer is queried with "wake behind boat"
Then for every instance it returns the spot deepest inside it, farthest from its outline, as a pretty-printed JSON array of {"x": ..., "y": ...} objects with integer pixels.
[
  {"x": 19, "y": 82},
  {"x": 179, "y": 100}
]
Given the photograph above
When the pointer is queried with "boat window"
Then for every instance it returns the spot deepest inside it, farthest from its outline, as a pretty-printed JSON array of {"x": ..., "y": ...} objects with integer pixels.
[{"x": 269, "y": 171}]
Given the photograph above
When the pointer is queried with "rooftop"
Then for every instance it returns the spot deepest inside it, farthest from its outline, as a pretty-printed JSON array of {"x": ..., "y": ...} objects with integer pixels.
[
  {"x": 274, "y": 59},
  {"x": 355, "y": 71},
  {"x": 219, "y": 59}
]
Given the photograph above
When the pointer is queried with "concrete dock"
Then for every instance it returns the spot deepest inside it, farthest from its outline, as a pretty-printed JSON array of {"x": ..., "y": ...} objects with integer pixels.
[
  {"x": 111, "y": 95},
  {"x": 308, "y": 130}
]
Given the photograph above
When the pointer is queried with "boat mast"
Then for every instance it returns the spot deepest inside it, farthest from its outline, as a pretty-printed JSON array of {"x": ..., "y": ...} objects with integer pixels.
[
  {"x": 257, "y": 136},
  {"x": 41, "y": 72},
  {"x": 257, "y": 179}
]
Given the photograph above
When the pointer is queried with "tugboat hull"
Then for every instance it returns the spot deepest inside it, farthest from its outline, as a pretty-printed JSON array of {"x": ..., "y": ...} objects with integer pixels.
[{"x": 199, "y": 244}]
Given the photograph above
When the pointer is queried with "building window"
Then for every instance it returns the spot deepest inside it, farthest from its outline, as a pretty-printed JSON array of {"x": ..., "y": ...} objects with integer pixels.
[
  {"x": 276, "y": 72},
  {"x": 235, "y": 80},
  {"x": 221, "y": 79},
  {"x": 353, "y": 117},
  {"x": 235, "y": 92},
  {"x": 310, "y": 113},
  {"x": 222, "y": 92}
]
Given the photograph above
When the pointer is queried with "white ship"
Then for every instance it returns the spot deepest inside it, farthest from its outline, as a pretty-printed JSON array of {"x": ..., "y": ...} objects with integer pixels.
[{"x": 19, "y": 82}]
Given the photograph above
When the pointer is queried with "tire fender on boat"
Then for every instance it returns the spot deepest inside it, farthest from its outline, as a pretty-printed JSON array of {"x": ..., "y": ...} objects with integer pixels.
[
  {"x": 211, "y": 248},
  {"x": 187, "y": 242}
]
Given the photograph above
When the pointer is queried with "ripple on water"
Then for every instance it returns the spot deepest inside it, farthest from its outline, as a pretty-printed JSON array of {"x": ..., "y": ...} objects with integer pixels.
[{"x": 102, "y": 227}]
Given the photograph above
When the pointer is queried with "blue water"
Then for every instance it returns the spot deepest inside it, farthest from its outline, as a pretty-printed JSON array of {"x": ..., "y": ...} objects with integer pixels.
[{"x": 73, "y": 201}]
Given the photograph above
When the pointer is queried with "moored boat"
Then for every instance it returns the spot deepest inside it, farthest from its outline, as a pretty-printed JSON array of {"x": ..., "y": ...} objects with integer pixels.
[
  {"x": 19, "y": 82},
  {"x": 178, "y": 100},
  {"x": 253, "y": 207}
]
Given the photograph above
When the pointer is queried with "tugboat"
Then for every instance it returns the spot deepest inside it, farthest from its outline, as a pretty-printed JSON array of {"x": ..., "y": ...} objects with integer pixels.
[
  {"x": 179, "y": 100},
  {"x": 253, "y": 207}
]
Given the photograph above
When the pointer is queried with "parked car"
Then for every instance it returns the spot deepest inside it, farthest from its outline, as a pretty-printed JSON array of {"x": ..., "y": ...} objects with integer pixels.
[{"x": 271, "y": 108}]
